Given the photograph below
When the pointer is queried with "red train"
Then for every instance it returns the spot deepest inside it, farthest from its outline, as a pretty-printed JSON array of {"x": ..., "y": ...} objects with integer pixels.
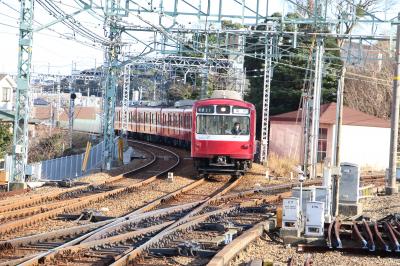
[{"x": 220, "y": 132}]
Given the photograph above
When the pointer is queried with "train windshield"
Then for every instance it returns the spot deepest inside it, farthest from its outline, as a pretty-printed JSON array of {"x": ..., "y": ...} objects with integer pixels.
[{"x": 223, "y": 125}]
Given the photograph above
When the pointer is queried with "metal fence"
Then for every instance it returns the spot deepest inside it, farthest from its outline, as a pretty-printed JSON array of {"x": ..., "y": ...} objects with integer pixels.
[{"x": 68, "y": 167}]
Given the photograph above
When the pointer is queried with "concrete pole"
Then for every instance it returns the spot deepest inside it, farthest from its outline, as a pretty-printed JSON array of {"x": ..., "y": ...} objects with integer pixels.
[
  {"x": 391, "y": 187},
  {"x": 316, "y": 108},
  {"x": 58, "y": 101},
  {"x": 339, "y": 121},
  {"x": 204, "y": 76}
]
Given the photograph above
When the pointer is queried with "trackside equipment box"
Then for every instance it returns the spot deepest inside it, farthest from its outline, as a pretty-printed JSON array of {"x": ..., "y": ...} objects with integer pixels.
[
  {"x": 323, "y": 194},
  {"x": 349, "y": 183},
  {"x": 315, "y": 217},
  {"x": 308, "y": 195},
  {"x": 291, "y": 213}
]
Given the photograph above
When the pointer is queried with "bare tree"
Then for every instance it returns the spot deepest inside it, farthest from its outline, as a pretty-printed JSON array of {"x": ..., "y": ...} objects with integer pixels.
[
  {"x": 348, "y": 12},
  {"x": 369, "y": 84}
]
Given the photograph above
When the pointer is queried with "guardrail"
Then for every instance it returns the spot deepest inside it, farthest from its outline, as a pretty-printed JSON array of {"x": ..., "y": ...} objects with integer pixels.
[{"x": 68, "y": 167}]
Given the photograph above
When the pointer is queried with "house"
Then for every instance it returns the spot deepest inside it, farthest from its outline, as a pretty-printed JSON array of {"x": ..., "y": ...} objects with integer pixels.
[
  {"x": 365, "y": 139},
  {"x": 7, "y": 88},
  {"x": 86, "y": 118}
]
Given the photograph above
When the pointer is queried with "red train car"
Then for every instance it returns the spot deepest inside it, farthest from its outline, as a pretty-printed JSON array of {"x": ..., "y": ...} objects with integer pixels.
[
  {"x": 171, "y": 126},
  {"x": 223, "y": 136},
  {"x": 220, "y": 132}
]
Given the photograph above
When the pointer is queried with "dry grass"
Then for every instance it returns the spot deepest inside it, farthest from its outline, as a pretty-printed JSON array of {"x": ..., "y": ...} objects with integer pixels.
[{"x": 280, "y": 166}]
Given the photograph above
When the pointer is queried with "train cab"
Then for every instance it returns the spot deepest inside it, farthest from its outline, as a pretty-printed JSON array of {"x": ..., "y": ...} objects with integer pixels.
[{"x": 223, "y": 136}]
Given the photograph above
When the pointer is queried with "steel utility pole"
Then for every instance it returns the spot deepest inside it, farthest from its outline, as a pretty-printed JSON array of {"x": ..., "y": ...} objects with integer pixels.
[
  {"x": 20, "y": 134},
  {"x": 266, "y": 98},
  {"x": 391, "y": 187},
  {"x": 339, "y": 119},
  {"x": 113, "y": 51}
]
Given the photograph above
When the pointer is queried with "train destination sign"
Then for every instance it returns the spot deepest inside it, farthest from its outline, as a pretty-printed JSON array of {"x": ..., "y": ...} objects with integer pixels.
[{"x": 209, "y": 109}]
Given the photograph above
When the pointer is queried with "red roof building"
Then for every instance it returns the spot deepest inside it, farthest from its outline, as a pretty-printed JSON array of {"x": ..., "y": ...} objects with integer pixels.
[{"x": 365, "y": 138}]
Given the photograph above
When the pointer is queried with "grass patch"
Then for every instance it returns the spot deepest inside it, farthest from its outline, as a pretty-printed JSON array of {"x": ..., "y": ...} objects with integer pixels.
[{"x": 281, "y": 166}]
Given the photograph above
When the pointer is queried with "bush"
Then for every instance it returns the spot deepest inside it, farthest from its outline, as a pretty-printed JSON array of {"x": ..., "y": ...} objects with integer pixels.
[{"x": 47, "y": 148}]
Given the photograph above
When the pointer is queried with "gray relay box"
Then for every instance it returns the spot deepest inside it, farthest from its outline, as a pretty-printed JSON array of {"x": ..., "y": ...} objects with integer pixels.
[{"x": 349, "y": 183}]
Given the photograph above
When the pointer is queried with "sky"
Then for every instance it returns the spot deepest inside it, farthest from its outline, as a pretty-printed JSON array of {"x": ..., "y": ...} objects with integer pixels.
[{"x": 55, "y": 55}]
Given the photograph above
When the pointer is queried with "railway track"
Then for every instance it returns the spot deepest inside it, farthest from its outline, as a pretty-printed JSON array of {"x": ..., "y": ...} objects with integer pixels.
[
  {"x": 377, "y": 180},
  {"x": 189, "y": 220},
  {"x": 58, "y": 238},
  {"x": 17, "y": 215},
  {"x": 95, "y": 238},
  {"x": 56, "y": 243},
  {"x": 122, "y": 239}
]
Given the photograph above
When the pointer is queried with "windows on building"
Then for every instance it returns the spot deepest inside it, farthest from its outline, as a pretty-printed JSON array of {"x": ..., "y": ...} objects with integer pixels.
[{"x": 322, "y": 144}]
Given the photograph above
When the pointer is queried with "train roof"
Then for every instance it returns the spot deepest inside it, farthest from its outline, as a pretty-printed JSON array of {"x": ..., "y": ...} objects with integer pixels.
[{"x": 224, "y": 101}]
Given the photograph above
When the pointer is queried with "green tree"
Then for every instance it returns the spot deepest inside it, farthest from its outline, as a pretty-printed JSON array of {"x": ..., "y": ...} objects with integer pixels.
[
  {"x": 5, "y": 138},
  {"x": 289, "y": 72}
]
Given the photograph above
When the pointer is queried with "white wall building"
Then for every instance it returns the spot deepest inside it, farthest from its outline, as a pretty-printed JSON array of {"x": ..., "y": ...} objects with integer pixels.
[
  {"x": 7, "y": 88},
  {"x": 365, "y": 138}
]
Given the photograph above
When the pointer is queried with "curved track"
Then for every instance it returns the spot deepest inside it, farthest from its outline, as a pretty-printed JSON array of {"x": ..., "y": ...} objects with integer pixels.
[
  {"x": 74, "y": 204},
  {"x": 53, "y": 241}
]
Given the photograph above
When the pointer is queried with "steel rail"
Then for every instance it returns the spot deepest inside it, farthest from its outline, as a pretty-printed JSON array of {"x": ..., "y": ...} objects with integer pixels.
[
  {"x": 11, "y": 205},
  {"x": 132, "y": 254},
  {"x": 74, "y": 204},
  {"x": 181, "y": 223},
  {"x": 38, "y": 257},
  {"x": 228, "y": 252},
  {"x": 117, "y": 225},
  {"x": 20, "y": 241},
  {"x": 109, "y": 228},
  {"x": 186, "y": 222},
  {"x": 115, "y": 239},
  {"x": 47, "y": 255}
]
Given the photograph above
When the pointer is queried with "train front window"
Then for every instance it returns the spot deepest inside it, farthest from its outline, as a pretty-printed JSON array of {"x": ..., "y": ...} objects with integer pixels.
[{"x": 223, "y": 125}]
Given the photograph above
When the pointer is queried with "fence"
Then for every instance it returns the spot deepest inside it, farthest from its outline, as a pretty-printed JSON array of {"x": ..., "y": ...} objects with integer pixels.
[{"x": 68, "y": 167}]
